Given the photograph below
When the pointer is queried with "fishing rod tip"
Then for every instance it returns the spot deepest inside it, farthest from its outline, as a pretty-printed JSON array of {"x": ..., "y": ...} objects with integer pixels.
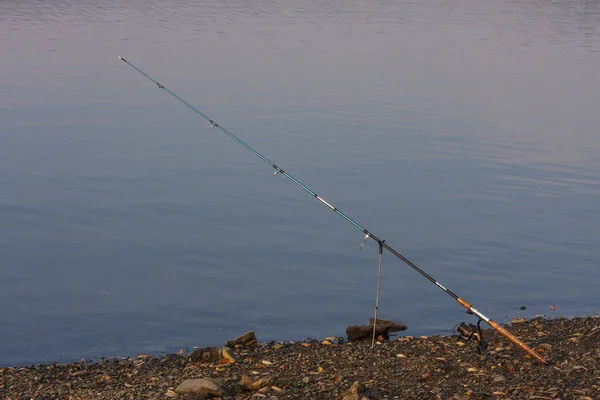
[{"x": 119, "y": 57}]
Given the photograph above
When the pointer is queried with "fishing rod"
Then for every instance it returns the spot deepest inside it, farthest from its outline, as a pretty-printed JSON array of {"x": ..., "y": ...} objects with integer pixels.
[{"x": 368, "y": 235}]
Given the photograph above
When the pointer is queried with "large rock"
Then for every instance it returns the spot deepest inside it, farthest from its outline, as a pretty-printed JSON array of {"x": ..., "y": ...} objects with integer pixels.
[
  {"x": 203, "y": 385},
  {"x": 364, "y": 332},
  {"x": 390, "y": 325},
  {"x": 357, "y": 391},
  {"x": 206, "y": 355},
  {"x": 247, "y": 339}
]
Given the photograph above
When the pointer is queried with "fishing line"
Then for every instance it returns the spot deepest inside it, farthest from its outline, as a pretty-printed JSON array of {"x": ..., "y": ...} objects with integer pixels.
[{"x": 368, "y": 235}]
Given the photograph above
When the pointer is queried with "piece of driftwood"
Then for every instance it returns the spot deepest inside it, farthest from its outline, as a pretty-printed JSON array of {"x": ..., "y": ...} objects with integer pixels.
[{"x": 364, "y": 332}]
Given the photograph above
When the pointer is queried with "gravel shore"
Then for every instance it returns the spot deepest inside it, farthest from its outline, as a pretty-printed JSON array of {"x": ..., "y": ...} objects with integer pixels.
[{"x": 437, "y": 367}]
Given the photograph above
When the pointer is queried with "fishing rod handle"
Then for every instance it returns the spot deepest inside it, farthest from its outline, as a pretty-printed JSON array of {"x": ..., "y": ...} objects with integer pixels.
[
  {"x": 516, "y": 341},
  {"x": 500, "y": 329}
]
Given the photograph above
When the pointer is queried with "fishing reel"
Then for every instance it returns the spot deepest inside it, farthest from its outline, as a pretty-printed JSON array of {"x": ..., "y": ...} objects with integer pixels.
[{"x": 471, "y": 334}]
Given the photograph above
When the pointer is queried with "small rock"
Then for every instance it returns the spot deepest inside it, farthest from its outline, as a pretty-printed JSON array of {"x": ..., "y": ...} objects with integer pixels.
[
  {"x": 247, "y": 339},
  {"x": 357, "y": 391},
  {"x": 203, "y": 385},
  {"x": 228, "y": 354},
  {"x": 254, "y": 385},
  {"x": 207, "y": 355}
]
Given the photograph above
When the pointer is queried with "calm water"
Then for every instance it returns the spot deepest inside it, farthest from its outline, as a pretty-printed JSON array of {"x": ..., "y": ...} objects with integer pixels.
[{"x": 466, "y": 133}]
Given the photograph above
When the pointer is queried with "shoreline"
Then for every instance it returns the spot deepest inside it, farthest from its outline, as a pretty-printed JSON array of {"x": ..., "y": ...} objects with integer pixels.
[{"x": 406, "y": 367}]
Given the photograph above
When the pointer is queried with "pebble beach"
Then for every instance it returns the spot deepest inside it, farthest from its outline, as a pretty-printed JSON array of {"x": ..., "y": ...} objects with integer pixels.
[{"x": 404, "y": 367}]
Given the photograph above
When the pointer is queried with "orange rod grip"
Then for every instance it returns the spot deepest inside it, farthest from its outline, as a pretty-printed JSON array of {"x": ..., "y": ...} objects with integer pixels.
[
  {"x": 516, "y": 341},
  {"x": 464, "y": 303}
]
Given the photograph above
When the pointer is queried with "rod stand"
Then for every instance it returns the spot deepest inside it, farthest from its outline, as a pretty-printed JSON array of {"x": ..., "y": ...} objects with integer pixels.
[{"x": 377, "y": 294}]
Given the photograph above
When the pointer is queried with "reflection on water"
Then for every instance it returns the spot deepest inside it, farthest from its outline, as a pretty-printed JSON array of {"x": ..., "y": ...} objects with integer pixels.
[{"x": 464, "y": 133}]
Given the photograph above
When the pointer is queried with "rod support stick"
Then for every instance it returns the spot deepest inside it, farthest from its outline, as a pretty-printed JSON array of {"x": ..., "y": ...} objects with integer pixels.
[{"x": 377, "y": 293}]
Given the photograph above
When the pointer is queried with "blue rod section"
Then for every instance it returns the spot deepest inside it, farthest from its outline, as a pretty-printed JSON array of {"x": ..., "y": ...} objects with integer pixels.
[{"x": 247, "y": 146}]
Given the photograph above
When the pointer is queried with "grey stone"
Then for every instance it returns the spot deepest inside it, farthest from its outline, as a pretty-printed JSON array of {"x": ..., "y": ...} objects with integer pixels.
[
  {"x": 255, "y": 384},
  {"x": 203, "y": 385}
]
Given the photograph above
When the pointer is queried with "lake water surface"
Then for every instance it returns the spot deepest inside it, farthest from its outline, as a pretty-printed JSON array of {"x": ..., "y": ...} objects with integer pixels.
[{"x": 465, "y": 133}]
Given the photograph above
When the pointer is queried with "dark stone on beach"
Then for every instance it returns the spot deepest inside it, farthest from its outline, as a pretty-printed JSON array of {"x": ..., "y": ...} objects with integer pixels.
[
  {"x": 206, "y": 355},
  {"x": 247, "y": 339},
  {"x": 390, "y": 325},
  {"x": 364, "y": 332}
]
